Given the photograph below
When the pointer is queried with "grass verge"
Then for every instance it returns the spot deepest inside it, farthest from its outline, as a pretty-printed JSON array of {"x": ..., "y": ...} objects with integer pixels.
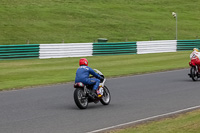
[
  {"x": 17, "y": 74},
  {"x": 182, "y": 123}
]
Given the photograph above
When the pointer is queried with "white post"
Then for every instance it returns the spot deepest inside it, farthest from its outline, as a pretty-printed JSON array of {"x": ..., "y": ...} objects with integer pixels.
[
  {"x": 175, "y": 16},
  {"x": 176, "y": 27}
]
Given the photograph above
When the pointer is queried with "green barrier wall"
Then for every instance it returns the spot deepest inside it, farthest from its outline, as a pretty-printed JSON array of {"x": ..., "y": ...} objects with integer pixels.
[
  {"x": 184, "y": 45},
  {"x": 32, "y": 51},
  {"x": 102, "y": 48},
  {"x": 25, "y": 51}
]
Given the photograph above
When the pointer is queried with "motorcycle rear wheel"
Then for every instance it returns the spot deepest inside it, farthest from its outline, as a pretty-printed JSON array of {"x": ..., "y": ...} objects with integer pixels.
[
  {"x": 80, "y": 98},
  {"x": 194, "y": 73},
  {"x": 105, "y": 100}
]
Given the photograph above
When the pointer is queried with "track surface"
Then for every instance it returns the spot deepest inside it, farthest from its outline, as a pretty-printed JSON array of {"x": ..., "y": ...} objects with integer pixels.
[{"x": 51, "y": 109}]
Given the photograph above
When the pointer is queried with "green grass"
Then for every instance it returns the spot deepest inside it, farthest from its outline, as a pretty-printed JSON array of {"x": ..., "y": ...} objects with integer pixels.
[
  {"x": 25, "y": 73},
  {"x": 52, "y": 21},
  {"x": 183, "y": 123}
]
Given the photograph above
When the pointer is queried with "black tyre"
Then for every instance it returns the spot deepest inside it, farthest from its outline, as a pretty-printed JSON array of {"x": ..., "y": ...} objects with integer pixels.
[
  {"x": 105, "y": 100},
  {"x": 80, "y": 98},
  {"x": 194, "y": 74}
]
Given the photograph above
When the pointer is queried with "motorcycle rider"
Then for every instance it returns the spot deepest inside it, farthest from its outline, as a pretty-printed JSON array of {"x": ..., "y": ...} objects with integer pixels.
[
  {"x": 195, "y": 54},
  {"x": 82, "y": 75}
]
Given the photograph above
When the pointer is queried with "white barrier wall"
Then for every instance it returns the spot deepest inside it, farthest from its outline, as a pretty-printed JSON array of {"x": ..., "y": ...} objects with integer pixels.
[
  {"x": 86, "y": 49},
  {"x": 65, "y": 50},
  {"x": 144, "y": 47}
]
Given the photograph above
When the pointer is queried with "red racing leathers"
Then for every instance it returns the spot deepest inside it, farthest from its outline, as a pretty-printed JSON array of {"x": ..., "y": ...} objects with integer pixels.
[{"x": 195, "y": 59}]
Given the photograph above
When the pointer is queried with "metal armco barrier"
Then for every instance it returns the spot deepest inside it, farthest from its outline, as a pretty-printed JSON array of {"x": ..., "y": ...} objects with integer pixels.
[
  {"x": 145, "y": 47},
  {"x": 65, "y": 50},
  {"x": 184, "y": 45},
  {"x": 25, "y": 51},
  {"x": 114, "y": 48},
  {"x": 43, "y": 51}
]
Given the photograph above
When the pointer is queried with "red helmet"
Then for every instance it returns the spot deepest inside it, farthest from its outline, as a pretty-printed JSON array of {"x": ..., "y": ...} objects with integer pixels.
[{"x": 83, "y": 61}]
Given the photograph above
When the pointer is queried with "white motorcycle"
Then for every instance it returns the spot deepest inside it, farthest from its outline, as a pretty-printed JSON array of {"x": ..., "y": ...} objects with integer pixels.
[{"x": 83, "y": 94}]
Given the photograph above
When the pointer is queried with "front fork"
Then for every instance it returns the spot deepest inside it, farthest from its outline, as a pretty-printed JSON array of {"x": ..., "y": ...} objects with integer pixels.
[{"x": 197, "y": 70}]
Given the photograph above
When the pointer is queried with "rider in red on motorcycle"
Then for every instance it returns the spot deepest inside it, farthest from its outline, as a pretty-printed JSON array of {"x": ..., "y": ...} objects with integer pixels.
[
  {"x": 195, "y": 57},
  {"x": 83, "y": 73}
]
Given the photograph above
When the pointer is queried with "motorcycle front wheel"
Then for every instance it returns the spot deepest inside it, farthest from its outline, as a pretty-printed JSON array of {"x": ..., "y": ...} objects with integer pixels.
[
  {"x": 193, "y": 73},
  {"x": 80, "y": 98},
  {"x": 105, "y": 100}
]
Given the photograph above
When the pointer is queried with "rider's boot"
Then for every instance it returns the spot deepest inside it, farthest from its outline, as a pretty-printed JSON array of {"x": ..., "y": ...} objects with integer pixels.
[
  {"x": 91, "y": 94},
  {"x": 94, "y": 94}
]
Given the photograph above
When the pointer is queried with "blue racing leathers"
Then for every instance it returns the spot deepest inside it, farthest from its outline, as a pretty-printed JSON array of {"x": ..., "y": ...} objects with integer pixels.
[{"x": 82, "y": 75}]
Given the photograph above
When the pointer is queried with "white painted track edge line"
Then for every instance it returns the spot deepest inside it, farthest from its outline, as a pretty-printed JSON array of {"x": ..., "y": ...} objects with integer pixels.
[{"x": 145, "y": 119}]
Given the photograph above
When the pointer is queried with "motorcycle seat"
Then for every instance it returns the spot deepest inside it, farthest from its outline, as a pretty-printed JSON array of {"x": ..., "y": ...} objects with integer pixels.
[{"x": 78, "y": 85}]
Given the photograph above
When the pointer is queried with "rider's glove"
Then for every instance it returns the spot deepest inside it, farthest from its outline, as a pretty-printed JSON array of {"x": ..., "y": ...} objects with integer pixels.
[{"x": 101, "y": 77}]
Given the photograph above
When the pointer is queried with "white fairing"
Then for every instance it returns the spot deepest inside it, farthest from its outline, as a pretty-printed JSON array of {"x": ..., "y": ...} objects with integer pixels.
[
  {"x": 101, "y": 90},
  {"x": 100, "y": 73},
  {"x": 195, "y": 54}
]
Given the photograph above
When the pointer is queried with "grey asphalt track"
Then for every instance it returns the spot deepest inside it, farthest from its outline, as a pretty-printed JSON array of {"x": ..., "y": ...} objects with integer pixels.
[{"x": 51, "y": 109}]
